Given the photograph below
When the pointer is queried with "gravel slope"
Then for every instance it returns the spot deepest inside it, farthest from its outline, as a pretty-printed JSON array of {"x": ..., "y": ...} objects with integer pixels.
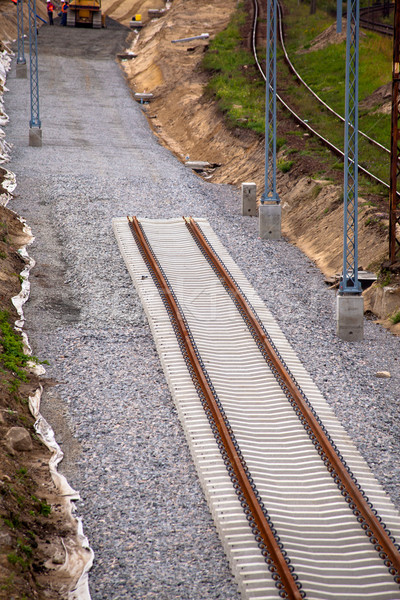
[{"x": 106, "y": 397}]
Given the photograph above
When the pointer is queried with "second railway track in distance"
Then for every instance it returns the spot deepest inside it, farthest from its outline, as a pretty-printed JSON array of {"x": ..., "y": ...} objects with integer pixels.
[
  {"x": 256, "y": 40},
  {"x": 297, "y": 509}
]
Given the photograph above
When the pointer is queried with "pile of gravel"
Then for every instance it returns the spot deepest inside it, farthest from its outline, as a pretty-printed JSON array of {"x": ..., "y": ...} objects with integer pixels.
[{"x": 142, "y": 506}]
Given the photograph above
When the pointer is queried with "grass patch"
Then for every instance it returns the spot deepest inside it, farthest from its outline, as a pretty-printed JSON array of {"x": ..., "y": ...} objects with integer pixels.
[
  {"x": 240, "y": 96},
  {"x": 12, "y": 356},
  {"x": 285, "y": 165},
  {"x": 395, "y": 318}
]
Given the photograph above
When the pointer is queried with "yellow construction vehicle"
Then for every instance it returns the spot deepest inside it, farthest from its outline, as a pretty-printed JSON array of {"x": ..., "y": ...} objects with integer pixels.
[{"x": 86, "y": 12}]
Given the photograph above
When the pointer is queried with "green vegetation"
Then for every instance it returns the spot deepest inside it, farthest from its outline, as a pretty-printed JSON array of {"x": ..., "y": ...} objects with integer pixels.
[
  {"x": 12, "y": 356},
  {"x": 22, "y": 556},
  {"x": 240, "y": 97},
  {"x": 384, "y": 278},
  {"x": 324, "y": 71},
  {"x": 240, "y": 91},
  {"x": 395, "y": 318},
  {"x": 285, "y": 165},
  {"x": 42, "y": 507}
]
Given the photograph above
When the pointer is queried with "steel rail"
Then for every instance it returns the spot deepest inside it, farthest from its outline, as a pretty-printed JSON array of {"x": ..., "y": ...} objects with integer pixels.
[
  {"x": 297, "y": 118},
  {"x": 373, "y": 25},
  {"x": 287, "y": 581},
  {"x": 349, "y": 488}
]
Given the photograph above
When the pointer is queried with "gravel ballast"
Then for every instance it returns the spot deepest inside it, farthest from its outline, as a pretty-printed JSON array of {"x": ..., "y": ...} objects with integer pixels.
[{"x": 106, "y": 397}]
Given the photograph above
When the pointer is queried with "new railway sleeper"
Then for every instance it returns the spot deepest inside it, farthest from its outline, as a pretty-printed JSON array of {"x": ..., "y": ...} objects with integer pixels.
[{"x": 298, "y": 511}]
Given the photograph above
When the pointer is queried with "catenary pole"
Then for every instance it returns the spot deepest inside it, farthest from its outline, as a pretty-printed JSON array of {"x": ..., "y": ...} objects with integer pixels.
[
  {"x": 270, "y": 192},
  {"x": 35, "y": 131},
  {"x": 339, "y": 10},
  {"x": 21, "y": 61},
  {"x": 270, "y": 208},
  {"x": 20, "y": 26},
  {"x": 394, "y": 202},
  {"x": 350, "y": 302}
]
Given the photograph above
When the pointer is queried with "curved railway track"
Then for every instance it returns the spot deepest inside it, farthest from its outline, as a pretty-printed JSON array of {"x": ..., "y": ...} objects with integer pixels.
[
  {"x": 305, "y": 125},
  {"x": 296, "y": 507},
  {"x": 373, "y": 25}
]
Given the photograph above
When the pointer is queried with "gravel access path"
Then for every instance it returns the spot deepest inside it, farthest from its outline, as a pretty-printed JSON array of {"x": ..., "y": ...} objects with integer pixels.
[{"x": 143, "y": 510}]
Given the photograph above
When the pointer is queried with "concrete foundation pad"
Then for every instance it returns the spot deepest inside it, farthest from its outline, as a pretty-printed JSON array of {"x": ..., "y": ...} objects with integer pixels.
[
  {"x": 35, "y": 136},
  {"x": 270, "y": 221},
  {"x": 350, "y": 318},
  {"x": 249, "y": 199},
  {"x": 21, "y": 71}
]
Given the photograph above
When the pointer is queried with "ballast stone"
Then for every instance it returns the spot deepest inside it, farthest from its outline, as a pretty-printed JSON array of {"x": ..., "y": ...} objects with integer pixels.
[{"x": 383, "y": 375}]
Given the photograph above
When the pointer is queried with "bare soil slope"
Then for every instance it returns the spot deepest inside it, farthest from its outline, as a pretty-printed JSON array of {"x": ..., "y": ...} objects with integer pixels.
[{"x": 190, "y": 124}]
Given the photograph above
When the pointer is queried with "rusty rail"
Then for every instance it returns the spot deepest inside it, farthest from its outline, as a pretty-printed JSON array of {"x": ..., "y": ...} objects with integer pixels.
[
  {"x": 349, "y": 488},
  {"x": 288, "y": 582},
  {"x": 282, "y": 572}
]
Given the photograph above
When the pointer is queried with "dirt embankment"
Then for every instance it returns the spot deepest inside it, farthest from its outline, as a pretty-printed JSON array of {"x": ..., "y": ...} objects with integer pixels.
[
  {"x": 41, "y": 553},
  {"x": 8, "y": 18},
  {"x": 190, "y": 124}
]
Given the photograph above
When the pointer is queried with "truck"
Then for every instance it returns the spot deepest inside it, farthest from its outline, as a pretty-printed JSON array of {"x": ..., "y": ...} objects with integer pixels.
[{"x": 86, "y": 12}]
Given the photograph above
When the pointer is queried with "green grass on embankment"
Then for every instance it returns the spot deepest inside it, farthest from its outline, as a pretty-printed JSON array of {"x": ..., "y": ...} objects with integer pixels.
[{"x": 240, "y": 92}]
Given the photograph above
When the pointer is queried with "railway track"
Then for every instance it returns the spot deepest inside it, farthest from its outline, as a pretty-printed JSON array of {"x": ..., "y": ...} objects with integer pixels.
[
  {"x": 368, "y": 21},
  {"x": 297, "y": 509},
  {"x": 304, "y": 123}
]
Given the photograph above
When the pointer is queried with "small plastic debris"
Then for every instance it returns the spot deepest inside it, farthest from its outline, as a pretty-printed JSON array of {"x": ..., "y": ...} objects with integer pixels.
[{"x": 202, "y": 36}]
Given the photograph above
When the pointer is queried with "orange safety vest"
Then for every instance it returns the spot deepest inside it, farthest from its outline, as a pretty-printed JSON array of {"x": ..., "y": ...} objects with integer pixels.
[
  {"x": 64, "y": 7},
  {"x": 50, "y": 7}
]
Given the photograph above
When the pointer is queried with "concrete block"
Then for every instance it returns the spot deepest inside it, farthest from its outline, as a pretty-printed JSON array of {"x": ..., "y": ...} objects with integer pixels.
[
  {"x": 35, "y": 136},
  {"x": 249, "y": 200},
  {"x": 21, "y": 71},
  {"x": 350, "y": 317},
  {"x": 270, "y": 220}
]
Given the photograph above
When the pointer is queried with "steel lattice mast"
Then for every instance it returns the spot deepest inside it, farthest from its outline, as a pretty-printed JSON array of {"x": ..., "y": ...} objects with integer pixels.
[
  {"x": 270, "y": 193},
  {"x": 349, "y": 301},
  {"x": 394, "y": 203},
  {"x": 20, "y": 25},
  {"x": 350, "y": 283},
  {"x": 34, "y": 122}
]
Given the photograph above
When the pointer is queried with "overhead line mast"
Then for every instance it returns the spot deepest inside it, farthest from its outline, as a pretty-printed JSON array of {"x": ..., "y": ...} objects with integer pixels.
[{"x": 394, "y": 202}]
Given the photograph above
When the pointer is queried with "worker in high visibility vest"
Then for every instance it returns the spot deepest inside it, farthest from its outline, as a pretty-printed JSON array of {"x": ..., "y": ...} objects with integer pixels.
[
  {"x": 64, "y": 10},
  {"x": 50, "y": 9}
]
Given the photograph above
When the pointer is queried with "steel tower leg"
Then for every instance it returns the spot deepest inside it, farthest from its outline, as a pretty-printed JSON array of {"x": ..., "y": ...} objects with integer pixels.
[
  {"x": 270, "y": 208},
  {"x": 35, "y": 132},
  {"x": 394, "y": 202},
  {"x": 339, "y": 12},
  {"x": 350, "y": 303},
  {"x": 21, "y": 61}
]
